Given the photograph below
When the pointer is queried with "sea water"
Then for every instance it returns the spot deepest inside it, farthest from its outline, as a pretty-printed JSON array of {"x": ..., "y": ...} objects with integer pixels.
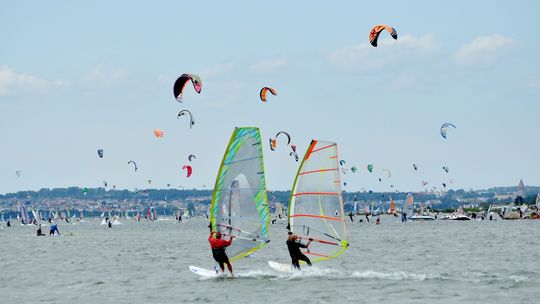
[{"x": 147, "y": 262}]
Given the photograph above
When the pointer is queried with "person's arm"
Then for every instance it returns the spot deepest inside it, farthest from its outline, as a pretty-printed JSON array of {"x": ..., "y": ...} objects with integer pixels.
[
  {"x": 301, "y": 245},
  {"x": 229, "y": 242},
  {"x": 306, "y": 245}
]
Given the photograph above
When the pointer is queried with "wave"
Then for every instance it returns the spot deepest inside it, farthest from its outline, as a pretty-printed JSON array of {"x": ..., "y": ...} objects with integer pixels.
[
  {"x": 394, "y": 276},
  {"x": 336, "y": 274}
]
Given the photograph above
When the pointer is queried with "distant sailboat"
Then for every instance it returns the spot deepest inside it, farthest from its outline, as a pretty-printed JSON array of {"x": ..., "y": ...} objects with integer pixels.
[
  {"x": 37, "y": 219},
  {"x": 24, "y": 217},
  {"x": 279, "y": 215},
  {"x": 392, "y": 208},
  {"x": 535, "y": 214},
  {"x": 407, "y": 209}
]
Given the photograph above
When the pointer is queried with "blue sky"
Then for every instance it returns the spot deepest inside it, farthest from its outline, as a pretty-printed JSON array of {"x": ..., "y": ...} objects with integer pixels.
[{"x": 76, "y": 77}]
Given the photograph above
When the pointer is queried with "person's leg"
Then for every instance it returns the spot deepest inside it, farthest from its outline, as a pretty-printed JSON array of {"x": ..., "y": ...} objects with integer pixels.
[
  {"x": 229, "y": 266},
  {"x": 222, "y": 266},
  {"x": 295, "y": 263},
  {"x": 305, "y": 259}
]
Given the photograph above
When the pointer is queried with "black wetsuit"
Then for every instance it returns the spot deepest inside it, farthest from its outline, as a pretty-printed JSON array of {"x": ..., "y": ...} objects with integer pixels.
[
  {"x": 296, "y": 254},
  {"x": 218, "y": 250},
  {"x": 220, "y": 256}
]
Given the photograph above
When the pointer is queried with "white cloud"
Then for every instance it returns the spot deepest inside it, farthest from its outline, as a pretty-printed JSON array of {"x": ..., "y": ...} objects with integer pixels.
[
  {"x": 389, "y": 51},
  {"x": 484, "y": 50},
  {"x": 11, "y": 81},
  {"x": 269, "y": 66},
  {"x": 106, "y": 76},
  {"x": 216, "y": 70}
]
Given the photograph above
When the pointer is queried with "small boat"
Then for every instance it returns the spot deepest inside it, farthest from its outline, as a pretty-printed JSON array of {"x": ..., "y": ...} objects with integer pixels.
[
  {"x": 421, "y": 216},
  {"x": 511, "y": 213},
  {"x": 460, "y": 215}
]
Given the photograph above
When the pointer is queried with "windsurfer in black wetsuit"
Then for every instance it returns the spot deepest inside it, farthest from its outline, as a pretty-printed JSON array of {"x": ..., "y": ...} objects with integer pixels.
[
  {"x": 39, "y": 233},
  {"x": 294, "y": 245}
]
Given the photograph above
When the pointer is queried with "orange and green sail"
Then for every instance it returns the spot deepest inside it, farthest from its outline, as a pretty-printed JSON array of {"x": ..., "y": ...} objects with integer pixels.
[{"x": 316, "y": 204}]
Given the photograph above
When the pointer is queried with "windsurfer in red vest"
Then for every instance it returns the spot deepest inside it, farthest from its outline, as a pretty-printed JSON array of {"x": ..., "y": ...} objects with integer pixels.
[{"x": 218, "y": 246}]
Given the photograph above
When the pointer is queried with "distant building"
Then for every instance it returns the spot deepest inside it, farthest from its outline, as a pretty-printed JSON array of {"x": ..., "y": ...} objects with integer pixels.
[
  {"x": 504, "y": 197},
  {"x": 521, "y": 189}
]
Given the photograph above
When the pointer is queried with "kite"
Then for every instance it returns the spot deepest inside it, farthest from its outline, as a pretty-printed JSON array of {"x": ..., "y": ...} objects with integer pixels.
[
  {"x": 188, "y": 170},
  {"x": 286, "y": 134},
  {"x": 444, "y": 128},
  {"x": 134, "y": 164},
  {"x": 370, "y": 168},
  {"x": 265, "y": 90},
  {"x": 376, "y": 31},
  {"x": 158, "y": 133},
  {"x": 180, "y": 83},
  {"x": 191, "y": 120}
]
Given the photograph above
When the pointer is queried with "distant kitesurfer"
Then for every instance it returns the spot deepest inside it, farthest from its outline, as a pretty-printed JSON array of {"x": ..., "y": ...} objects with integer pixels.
[
  {"x": 218, "y": 246},
  {"x": 54, "y": 228},
  {"x": 294, "y": 245},
  {"x": 39, "y": 231}
]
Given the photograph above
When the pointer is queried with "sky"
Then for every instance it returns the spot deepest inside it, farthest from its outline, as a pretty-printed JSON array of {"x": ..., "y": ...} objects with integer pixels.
[{"x": 80, "y": 76}]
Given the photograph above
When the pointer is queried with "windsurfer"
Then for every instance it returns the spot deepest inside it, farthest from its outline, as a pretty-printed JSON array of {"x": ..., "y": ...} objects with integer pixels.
[
  {"x": 294, "y": 245},
  {"x": 54, "y": 228},
  {"x": 39, "y": 231},
  {"x": 218, "y": 246}
]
